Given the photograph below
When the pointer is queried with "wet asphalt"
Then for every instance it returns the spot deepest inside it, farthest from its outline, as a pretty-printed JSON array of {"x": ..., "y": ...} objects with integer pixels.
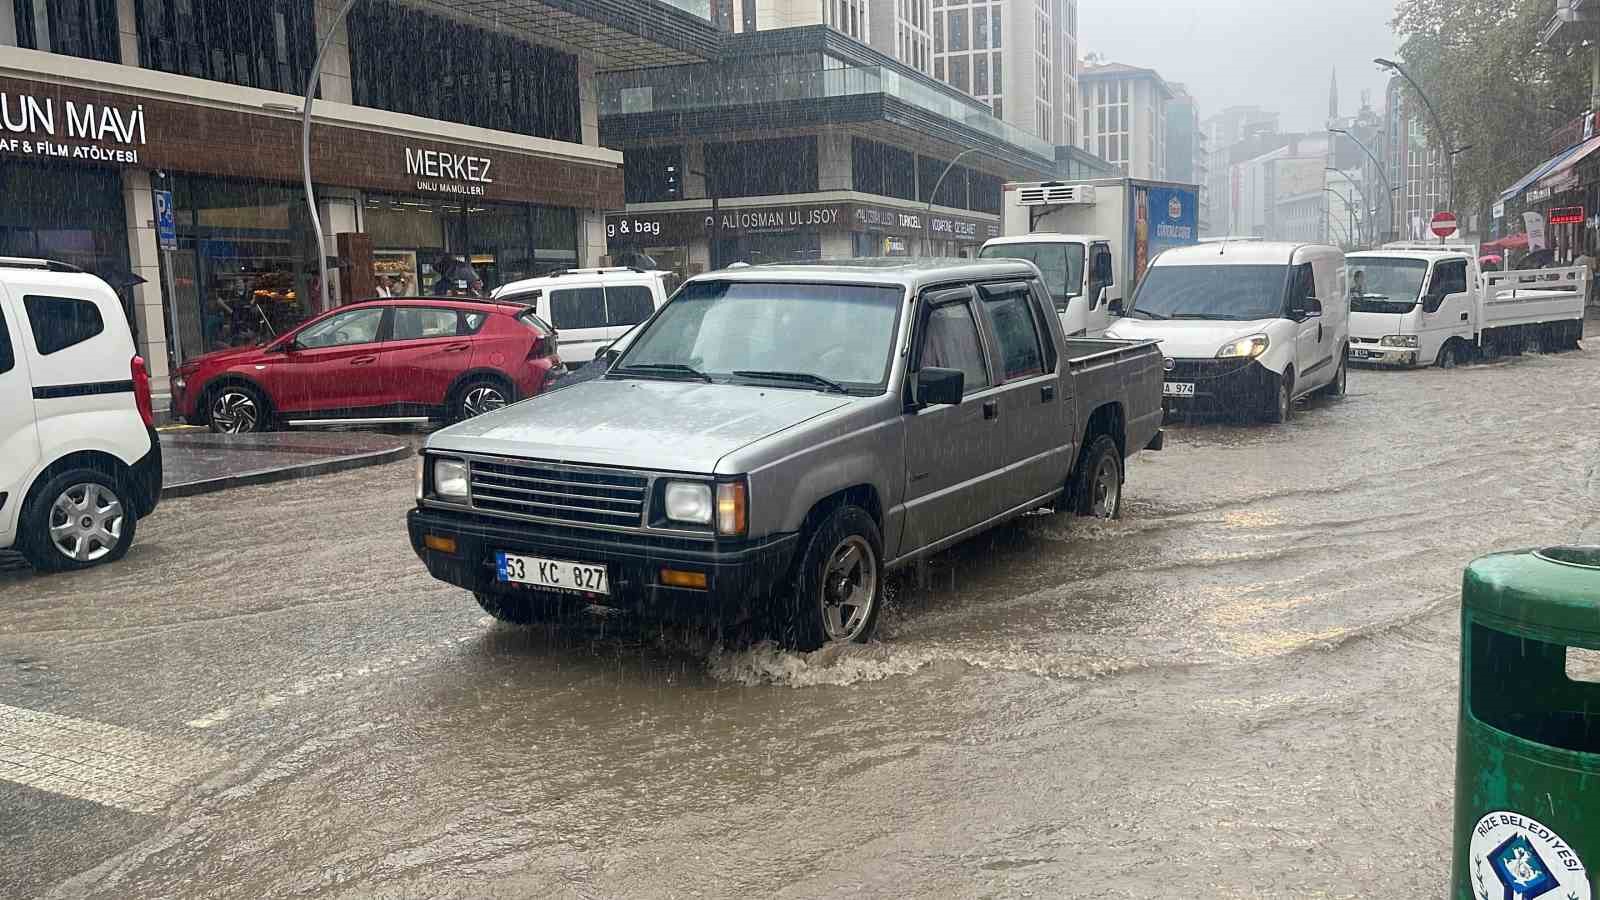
[{"x": 1245, "y": 687}]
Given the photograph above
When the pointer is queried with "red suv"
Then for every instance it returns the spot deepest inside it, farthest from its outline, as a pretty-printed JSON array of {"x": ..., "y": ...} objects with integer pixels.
[{"x": 395, "y": 359}]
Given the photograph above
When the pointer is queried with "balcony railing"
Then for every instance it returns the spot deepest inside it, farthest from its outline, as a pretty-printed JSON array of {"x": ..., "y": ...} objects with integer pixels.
[{"x": 701, "y": 88}]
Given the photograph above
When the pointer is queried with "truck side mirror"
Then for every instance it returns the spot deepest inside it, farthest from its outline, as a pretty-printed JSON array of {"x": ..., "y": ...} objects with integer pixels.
[
  {"x": 1115, "y": 307},
  {"x": 940, "y": 387},
  {"x": 1313, "y": 307}
]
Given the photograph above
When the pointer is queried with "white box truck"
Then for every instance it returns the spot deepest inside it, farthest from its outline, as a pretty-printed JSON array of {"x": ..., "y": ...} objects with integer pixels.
[
  {"x": 1094, "y": 239},
  {"x": 1424, "y": 304}
]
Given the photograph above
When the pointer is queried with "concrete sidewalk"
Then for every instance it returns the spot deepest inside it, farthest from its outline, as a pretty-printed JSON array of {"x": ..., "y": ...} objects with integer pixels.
[{"x": 199, "y": 462}]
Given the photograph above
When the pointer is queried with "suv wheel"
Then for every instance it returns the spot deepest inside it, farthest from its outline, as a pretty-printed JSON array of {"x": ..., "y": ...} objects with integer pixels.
[
  {"x": 478, "y": 396},
  {"x": 80, "y": 518},
  {"x": 837, "y": 591},
  {"x": 237, "y": 409}
]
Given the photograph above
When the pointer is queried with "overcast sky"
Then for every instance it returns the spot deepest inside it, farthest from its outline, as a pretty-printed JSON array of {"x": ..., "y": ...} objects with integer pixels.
[{"x": 1271, "y": 53}]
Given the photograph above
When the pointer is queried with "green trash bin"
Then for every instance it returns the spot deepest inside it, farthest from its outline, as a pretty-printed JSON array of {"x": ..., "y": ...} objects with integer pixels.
[{"x": 1527, "y": 819}]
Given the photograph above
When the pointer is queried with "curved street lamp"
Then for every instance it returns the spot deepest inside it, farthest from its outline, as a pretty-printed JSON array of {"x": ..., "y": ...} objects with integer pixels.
[
  {"x": 305, "y": 149},
  {"x": 1353, "y": 214},
  {"x": 927, "y": 221},
  {"x": 1382, "y": 172},
  {"x": 1365, "y": 203},
  {"x": 1438, "y": 125}
]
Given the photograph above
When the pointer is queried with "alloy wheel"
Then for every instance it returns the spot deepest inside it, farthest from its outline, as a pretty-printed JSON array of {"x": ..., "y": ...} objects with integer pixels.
[
  {"x": 481, "y": 399},
  {"x": 849, "y": 588},
  {"x": 1106, "y": 489},
  {"x": 235, "y": 412},
  {"x": 86, "y": 522}
]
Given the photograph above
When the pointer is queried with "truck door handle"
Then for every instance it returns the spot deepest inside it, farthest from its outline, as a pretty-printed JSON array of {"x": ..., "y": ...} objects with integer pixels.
[
  {"x": 363, "y": 360},
  {"x": 991, "y": 409},
  {"x": 1463, "y": 317},
  {"x": 1047, "y": 394}
]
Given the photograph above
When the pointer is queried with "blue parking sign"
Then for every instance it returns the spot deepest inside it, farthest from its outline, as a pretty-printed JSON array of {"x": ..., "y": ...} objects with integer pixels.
[{"x": 166, "y": 223}]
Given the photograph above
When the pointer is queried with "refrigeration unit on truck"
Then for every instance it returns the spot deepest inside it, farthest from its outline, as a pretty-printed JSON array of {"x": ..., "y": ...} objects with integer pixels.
[
  {"x": 1093, "y": 240},
  {"x": 1420, "y": 304}
]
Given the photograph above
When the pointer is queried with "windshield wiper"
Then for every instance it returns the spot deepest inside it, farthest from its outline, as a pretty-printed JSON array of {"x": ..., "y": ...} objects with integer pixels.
[
  {"x": 806, "y": 377},
  {"x": 664, "y": 370},
  {"x": 1146, "y": 313},
  {"x": 1209, "y": 316}
]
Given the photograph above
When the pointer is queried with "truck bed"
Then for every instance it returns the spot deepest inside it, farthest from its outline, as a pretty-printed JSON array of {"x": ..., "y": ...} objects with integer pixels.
[
  {"x": 1109, "y": 371},
  {"x": 1531, "y": 296}
]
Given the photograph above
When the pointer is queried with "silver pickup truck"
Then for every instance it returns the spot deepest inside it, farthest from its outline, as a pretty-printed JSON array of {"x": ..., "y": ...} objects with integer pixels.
[{"x": 776, "y": 438}]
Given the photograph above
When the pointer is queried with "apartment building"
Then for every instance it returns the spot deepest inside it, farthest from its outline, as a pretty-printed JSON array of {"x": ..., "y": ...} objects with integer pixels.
[{"x": 1125, "y": 121}]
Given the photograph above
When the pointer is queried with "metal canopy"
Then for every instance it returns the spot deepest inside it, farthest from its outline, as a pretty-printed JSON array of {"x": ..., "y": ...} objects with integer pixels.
[{"x": 617, "y": 33}]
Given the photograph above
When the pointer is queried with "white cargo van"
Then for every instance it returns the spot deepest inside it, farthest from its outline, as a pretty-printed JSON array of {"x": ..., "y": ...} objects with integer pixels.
[
  {"x": 590, "y": 308},
  {"x": 1417, "y": 304},
  {"x": 79, "y": 460},
  {"x": 1245, "y": 327}
]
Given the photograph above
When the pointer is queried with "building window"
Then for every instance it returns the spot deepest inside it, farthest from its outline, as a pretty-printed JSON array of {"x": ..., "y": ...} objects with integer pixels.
[
  {"x": 653, "y": 174},
  {"x": 999, "y": 83},
  {"x": 882, "y": 169},
  {"x": 980, "y": 74},
  {"x": 958, "y": 73},
  {"x": 745, "y": 168},
  {"x": 267, "y": 44},
  {"x": 952, "y": 192},
  {"x": 82, "y": 28},
  {"x": 994, "y": 28},
  {"x": 999, "y": 110},
  {"x": 938, "y": 32},
  {"x": 958, "y": 30},
  {"x": 488, "y": 79},
  {"x": 938, "y": 68},
  {"x": 980, "y": 28}
]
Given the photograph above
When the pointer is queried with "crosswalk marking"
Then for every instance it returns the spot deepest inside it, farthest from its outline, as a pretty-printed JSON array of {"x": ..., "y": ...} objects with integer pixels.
[{"x": 97, "y": 762}]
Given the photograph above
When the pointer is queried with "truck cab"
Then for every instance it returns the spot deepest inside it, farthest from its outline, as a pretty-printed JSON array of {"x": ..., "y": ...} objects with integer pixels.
[
  {"x": 1078, "y": 273},
  {"x": 1411, "y": 307}
]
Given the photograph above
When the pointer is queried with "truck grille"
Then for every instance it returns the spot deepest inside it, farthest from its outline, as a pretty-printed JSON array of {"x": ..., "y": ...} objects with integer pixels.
[{"x": 583, "y": 496}]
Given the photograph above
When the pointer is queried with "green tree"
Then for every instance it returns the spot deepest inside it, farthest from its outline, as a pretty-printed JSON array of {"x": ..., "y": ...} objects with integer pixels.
[{"x": 1493, "y": 82}]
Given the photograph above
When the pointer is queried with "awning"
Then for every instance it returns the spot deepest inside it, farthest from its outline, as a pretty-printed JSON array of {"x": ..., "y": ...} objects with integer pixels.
[
  {"x": 1510, "y": 242},
  {"x": 1564, "y": 177},
  {"x": 1543, "y": 169}
]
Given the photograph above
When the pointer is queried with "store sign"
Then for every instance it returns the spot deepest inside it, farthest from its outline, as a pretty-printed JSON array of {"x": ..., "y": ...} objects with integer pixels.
[
  {"x": 953, "y": 229},
  {"x": 40, "y": 127},
  {"x": 681, "y": 226},
  {"x": 1566, "y": 215},
  {"x": 441, "y": 172},
  {"x": 777, "y": 219}
]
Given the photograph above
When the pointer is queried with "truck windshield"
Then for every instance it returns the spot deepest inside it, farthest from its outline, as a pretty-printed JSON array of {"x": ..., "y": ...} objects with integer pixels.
[
  {"x": 1061, "y": 265},
  {"x": 1385, "y": 285},
  {"x": 1210, "y": 292},
  {"x": 801, "y": 335}
]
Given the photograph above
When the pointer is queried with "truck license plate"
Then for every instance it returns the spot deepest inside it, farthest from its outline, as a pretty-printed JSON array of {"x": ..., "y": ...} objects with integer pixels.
[
  {"x": 555, "y": 574},
  {"x": 1177, "y": 388},
  {"x": 1359, "y": 354}
]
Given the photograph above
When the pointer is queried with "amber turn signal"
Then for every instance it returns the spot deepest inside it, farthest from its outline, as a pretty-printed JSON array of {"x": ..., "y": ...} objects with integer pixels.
[
  {"x": 680, "y": 579},
  {"x": 441, "y": 544}
]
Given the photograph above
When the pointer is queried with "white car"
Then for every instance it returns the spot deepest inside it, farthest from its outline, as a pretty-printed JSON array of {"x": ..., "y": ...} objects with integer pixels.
[
  {"x": 1245, "y": 327},
  {"x": 80, "y": 462},
  {"x": 590, "y": 308}
]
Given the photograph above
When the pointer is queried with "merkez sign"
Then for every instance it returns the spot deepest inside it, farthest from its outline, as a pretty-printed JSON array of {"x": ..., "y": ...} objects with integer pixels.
[{"x": 442, "y": 172}]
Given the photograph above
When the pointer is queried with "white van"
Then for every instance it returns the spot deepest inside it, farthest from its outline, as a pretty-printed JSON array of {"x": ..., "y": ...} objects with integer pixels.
[
  {"x": 1077, "y": 270},
  {"x": 1245, "y": 327},
  {"x": 80, "y": 463},
  {"x": 590, "y": 308}
]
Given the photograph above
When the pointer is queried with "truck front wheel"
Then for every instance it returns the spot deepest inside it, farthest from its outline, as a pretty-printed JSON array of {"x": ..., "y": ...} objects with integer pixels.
[
  {"x": 837, "y": 590},
  {"x": 1097, "y": 484}
]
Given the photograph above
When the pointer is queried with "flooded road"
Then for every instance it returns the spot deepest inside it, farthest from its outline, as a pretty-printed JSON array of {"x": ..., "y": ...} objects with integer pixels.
[{"x": 1245, "y": 687}]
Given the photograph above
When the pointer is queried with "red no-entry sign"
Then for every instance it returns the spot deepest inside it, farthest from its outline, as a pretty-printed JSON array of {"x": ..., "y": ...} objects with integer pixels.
[{"x": 1443, "y": 224}]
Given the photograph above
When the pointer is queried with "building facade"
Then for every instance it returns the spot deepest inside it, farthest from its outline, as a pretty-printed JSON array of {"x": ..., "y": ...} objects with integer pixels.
[
  {"x": 490, "y": 155},
  {"x": 804, "y": 144},
  {"x": 1233, "y": 136},
  {"x": 1018, "y": 56},
  {"x": 1188, "y": 159},
  {"x": 1413, "y": 163},
  {"x": 1125, "y": 120}
]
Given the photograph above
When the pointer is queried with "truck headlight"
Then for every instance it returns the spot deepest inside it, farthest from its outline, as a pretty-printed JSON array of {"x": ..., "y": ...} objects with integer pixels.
[
  {"x": 689, "y": 501},
  {"x": 450, "y": 479},
  {"x": 1244, "y": 348},
  {"x": 1398, "y": 340}
]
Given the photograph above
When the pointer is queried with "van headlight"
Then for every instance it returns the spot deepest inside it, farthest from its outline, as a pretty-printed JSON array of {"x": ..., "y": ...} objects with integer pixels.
[
  {"x": 689, "y": 501},
  {"x": 1398, "y": 340},
  {"x": 450, "y": 479},
  {"x": 1244, "y": 348}
]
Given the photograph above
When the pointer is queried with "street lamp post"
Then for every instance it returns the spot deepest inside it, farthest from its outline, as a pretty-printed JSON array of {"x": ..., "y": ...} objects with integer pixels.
[
  {"x": 1352, "y": 210},
  {"x": 714, "y": 233},
  {"x": 1438, "y": 125},
  {"x": 305, "y": 149},
  {"x": 1382, "y": 172},
  {"x": 927, "y": 220},
  {"x": 1365, "y": 203}
]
